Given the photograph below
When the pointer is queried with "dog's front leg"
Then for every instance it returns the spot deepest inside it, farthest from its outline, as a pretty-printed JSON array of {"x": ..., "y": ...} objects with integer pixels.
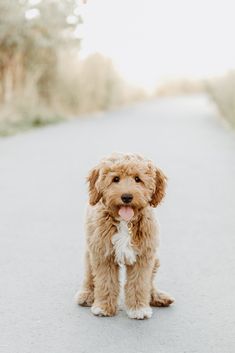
[
  {"x": 138, "y": 289},
  {"x": 106, "y": 278}
]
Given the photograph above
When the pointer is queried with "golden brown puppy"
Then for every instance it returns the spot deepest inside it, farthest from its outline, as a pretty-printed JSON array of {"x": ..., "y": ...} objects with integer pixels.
[{"x": 121, "y": 230}]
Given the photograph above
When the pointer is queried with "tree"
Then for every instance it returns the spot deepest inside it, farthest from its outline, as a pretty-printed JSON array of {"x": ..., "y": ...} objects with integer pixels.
[{"x": 31, "y": 35}]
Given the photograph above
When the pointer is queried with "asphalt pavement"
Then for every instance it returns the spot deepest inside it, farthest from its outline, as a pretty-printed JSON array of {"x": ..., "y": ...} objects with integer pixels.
[{"x": 42, "y": 201}]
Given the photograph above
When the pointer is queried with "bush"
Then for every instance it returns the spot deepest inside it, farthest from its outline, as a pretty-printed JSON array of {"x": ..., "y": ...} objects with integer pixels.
[
  {"x": 42, "y": 78},
  {"x": 222, "y": 92}
]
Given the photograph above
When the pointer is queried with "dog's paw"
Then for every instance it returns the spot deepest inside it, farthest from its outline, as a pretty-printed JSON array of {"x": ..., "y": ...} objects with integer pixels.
[
  {"x": 96, "y": 310},
  {"x": 161, "y": 299},
  {"x": 103, "y": 311},
  {"x": 140, "y": 313},
  {"x": 85, "y": 297}
]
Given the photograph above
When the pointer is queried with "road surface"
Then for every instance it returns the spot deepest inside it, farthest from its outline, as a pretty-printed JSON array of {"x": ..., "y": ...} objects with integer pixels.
[{"x": 42, "y": 199}]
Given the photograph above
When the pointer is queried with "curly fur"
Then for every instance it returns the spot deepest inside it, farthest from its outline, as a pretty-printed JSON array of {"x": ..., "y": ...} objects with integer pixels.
[{"x": 101, "y": 284}]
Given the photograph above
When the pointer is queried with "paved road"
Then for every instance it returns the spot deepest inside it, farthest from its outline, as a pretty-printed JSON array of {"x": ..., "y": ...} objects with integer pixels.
[{"x": 42, "y": 198}]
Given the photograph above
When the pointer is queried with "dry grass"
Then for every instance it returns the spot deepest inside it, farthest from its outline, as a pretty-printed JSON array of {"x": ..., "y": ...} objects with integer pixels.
[
  {"x": 78, "y": 87},
  {"x": 222, "y": 92},
  {"x": 174, "y": 87},
  {"x": 42, "y": 78}
]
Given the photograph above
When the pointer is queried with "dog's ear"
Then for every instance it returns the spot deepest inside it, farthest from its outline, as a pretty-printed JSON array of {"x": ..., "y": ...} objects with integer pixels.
[
  {"x": 160, "y": 187},
  {"x": 94, "y": 194}
]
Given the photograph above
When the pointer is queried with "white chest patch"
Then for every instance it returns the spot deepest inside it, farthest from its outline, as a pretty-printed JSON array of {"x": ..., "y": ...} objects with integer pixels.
[{"x": 124, "y": 252}]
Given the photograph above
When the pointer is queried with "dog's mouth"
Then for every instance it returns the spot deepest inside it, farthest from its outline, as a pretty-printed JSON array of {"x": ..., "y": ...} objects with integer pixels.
[{"x": 126, "y": 213}]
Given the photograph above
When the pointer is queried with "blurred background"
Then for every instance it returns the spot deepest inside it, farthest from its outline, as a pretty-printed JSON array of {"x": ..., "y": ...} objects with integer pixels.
[{"x": 72, "y": 57}]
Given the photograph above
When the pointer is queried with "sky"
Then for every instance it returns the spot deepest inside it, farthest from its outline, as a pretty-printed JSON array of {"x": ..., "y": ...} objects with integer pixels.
[{"x": 153, "y": 40}]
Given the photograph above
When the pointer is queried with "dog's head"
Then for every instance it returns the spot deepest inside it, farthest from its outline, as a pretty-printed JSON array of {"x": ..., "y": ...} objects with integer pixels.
[{"x": 126, "y": 183}]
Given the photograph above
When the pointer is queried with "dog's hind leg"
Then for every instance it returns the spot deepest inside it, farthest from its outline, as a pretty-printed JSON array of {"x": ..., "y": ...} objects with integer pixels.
[
  {"x": 85, "y": 297},
  {"x": 159, "y": 298}
]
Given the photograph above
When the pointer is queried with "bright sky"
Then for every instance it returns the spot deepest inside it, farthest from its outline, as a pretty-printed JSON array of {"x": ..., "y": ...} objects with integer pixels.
[{"x": 150, "y": 40}]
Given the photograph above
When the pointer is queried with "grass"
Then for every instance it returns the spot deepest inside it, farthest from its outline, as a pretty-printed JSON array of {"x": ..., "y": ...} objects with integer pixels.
[{"x": 13, "y": 122}]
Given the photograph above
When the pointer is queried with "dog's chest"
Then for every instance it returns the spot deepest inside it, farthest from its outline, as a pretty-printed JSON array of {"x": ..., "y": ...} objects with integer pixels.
[{"x": 123, "y": 249}]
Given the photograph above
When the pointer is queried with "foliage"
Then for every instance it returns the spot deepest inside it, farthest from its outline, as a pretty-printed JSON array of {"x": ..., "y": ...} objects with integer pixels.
[
  {"x": 42, "y": 77},
  {"x": 30, "y": 37}
]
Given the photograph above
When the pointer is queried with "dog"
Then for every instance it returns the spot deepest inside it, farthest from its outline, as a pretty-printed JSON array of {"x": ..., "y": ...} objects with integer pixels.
[{"x": 121, "y": 230}]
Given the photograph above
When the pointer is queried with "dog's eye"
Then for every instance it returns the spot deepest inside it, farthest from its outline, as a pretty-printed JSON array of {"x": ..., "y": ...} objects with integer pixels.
[
  {"x": 116, "y": 179},
  {"x": 137, "y": 179}
]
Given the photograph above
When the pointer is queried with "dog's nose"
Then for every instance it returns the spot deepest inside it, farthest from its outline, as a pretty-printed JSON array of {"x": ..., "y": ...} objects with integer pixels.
[{"x": 127, "y": 198}]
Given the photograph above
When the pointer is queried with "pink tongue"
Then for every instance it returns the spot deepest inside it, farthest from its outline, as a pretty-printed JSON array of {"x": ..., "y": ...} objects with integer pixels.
[{"x": 126, "y": 213}]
